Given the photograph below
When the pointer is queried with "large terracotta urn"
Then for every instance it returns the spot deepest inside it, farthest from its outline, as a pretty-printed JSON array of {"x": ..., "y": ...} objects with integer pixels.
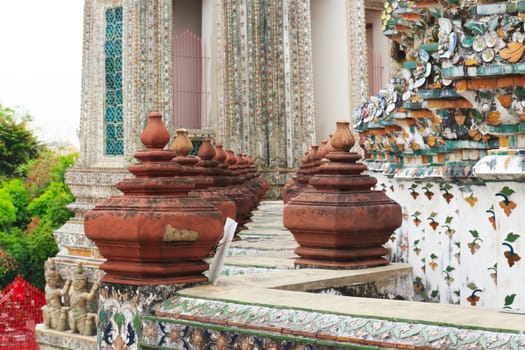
[
  {"x": 155, "y": 233},
  {"x": 339, "y": 222}
]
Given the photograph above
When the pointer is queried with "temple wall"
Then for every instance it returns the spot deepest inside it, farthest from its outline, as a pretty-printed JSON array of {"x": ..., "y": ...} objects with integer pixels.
[
  {"x": 266, "y": 105},
  {"x": 457, "y": 235},
  {"x": 445, "y": 140}
]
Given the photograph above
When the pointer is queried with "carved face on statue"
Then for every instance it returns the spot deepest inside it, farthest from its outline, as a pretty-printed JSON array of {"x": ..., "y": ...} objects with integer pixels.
[
  {"x": 51, "y": 275},
  {"x": 80, "y": 283},
  {"x": 51, "y": 281},
  {"x": 79, "y": 280}
]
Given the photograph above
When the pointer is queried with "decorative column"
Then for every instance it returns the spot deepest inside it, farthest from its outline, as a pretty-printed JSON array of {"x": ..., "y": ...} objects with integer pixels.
[
  {"x": 266, "y": 109},
  {"x": 341, "y": 223},
  {"x": 357, "y": 47}
]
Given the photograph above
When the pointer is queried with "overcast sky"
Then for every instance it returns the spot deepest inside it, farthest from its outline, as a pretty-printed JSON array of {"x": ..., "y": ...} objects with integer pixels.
[{"x": 41, "y": 63}]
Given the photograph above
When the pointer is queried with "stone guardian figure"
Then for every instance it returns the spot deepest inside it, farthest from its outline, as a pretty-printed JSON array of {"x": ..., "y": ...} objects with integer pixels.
[
  {"x": 54, "y": 312},
  {"x": 80, "y": 319}
]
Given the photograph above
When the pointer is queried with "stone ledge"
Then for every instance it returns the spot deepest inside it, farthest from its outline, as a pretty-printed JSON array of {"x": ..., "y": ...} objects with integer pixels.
[
  {"x": 50, "y": 339},
  {"x": 232, "y": 311},
  {"x": 501, "y": 165}
]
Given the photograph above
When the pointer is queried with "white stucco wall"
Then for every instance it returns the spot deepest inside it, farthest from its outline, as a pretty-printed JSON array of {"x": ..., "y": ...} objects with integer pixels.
[{"x": 330, "y": 64}]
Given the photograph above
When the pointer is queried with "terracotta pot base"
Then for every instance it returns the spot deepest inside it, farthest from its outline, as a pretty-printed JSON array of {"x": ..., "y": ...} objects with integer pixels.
[
  {"x": 110, "y": 278},
  {"x": 338, "y": 265},
  {"x": 343, "y": 255}
]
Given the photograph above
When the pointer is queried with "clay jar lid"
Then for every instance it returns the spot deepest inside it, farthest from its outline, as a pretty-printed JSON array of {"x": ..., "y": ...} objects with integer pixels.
[
  {"x": 155, "y": 172},
  {"x": 154, "y": 137},
  {"x": 182, "y": 147},
  {"x": 340, "y": 171},
  {"x": 206, "y": 151}
]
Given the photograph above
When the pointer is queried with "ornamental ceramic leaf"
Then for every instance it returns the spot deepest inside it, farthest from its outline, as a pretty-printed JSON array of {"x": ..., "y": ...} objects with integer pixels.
[
  {"x": 474, "y": 233},
  {"x": 512, "y": 52},
  {"x": 137, "y": 323},
  {"x": 102, "y": 315},
  {"x": 446, "y": 187},
  {"x": 434, "y": 293},
  {"x": 433, "y": 256},
  {"x": 476, "y": 115},
  {"x": 448, "y": 220},
  {"x": 509, "y": 299},
  {"x": 493, "y": 22},
  {"x": 119, "y": 319},
  {"x": 450, "y": 268},
  {"x": 507, "y": 191},
  {"x": 477, "y": 28},
  {"x": 472, "y": 286},
  {"x": 512, "y": 237}
]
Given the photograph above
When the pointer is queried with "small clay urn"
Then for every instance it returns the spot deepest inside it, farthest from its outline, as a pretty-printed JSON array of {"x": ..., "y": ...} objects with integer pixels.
[
  {"x": 210, "y": 171},
  {"x": 329, "y": 148},
  {"x": 309, "y": 166},
  {"x": 262, "y": 184},
  {"x": 250, "y": 186},
  {"x": 220, "y": 155},
  {"x": 323, "y": 149},
  {"x": 229, "y": 181},
  {"x": 242, "y": 197},
  {"x": 182, "y": 147},
  {"x": 155, "y": 135},
  {"x": 340, "y": 222},
  {"x": 292, "y": 188},
  {"x": 155, "y": 233}
]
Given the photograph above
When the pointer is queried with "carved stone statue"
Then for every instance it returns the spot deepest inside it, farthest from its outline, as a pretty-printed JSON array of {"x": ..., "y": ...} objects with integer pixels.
[
  {"x": 54, "y": 312},
  {"x": 80, "y": 319}
]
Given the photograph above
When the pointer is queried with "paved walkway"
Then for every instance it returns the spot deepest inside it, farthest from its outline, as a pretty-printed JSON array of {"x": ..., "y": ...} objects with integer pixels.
[{"x": 266, "y": 244}]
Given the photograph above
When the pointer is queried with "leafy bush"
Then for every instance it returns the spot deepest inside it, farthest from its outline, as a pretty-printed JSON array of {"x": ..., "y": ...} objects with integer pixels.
[
  {"x": 17, "y": 143},
  {"x": 33, "y": 200}
]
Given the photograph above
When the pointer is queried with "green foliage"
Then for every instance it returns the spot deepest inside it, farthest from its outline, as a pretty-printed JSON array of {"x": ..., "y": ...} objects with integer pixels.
[
  {"x": 40, "y": 246},
  {"x": 13, "y": 244},
  {"x": 7, "y": 211},
  {"x": 7, "y": 263},
  {"x": 18, "y": 145},
  {"x": 50, "y": 207},
  {"x": 17, "y": 191},
  {"x": 41, "y": 172},
  {"x": 31, "y": 208}
]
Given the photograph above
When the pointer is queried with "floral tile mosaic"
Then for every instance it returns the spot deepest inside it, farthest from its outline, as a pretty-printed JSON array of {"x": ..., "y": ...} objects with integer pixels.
[
  {"x": 191, "y": 323},
  {"x": 465, "y": 250}
]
